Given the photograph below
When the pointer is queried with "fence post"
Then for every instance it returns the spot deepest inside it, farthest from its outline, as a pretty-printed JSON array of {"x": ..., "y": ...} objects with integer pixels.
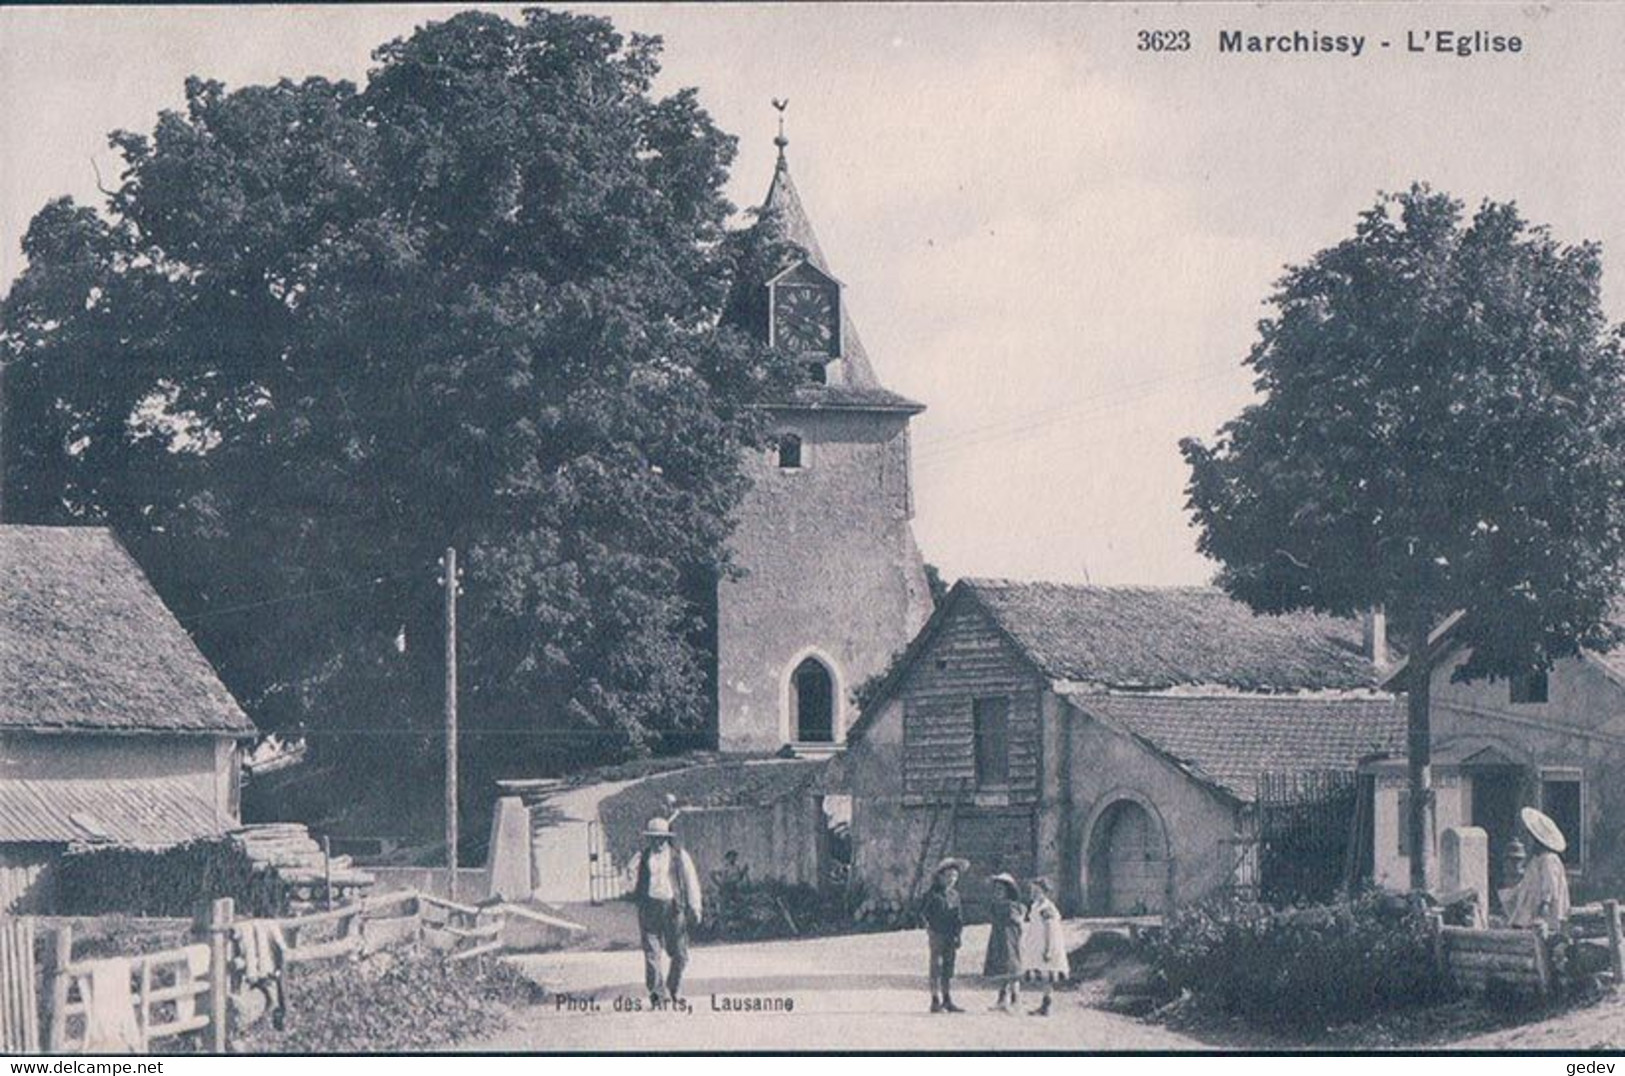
[
  {"x": 1436, "y": 928},
  {"x": 218, "y": 924},
  {"x": 19, "y": 1011},
  {"x": 30, "y": 999},
  {"x": 1542, "y": 962},
  {"x": 56, "y": 979},
  {"x": 1616, "y": 946},
  {"x": 327, "y": 871}
]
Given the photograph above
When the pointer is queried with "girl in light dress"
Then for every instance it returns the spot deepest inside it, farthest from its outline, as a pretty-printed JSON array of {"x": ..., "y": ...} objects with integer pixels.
[{"x": 1044, "y": 944}]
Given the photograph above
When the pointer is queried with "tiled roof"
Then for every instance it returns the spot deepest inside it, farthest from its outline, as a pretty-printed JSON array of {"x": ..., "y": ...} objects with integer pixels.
[
  {"x": 847, "y": 398},
  {"x": 1230, "y": 740},
  {"x": 147, "y": 811},
  {"x": 1154, "y": 638},
  {"x": 86, "y": 643}
]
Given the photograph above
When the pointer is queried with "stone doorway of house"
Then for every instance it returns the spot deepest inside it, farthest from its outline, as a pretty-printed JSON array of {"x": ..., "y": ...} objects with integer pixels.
[
  {"x": 1127, "y": 862},
  {"x": 1497, "y": 791}
]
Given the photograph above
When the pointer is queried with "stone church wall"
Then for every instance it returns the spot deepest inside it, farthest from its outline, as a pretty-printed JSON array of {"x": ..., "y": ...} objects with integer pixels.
[{"x": 831, "y": 570}]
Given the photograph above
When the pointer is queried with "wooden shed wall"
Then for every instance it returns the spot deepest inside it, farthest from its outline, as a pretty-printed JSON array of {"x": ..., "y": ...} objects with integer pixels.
[{"x": 969, "y": 658}]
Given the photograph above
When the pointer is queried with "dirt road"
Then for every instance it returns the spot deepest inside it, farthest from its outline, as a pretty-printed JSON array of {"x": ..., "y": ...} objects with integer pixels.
[{"x": 858, "y": 992}]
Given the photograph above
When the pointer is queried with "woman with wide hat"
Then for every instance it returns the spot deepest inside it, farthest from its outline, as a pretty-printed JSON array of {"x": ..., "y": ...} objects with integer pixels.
[
  {"x": 1003, "y": 963},
  {"x": 1542, "y": 894},
  {"x": 944, "y": 924}
]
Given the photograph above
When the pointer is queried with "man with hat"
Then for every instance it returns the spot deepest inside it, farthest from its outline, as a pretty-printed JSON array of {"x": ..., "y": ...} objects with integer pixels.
[
  {"x": 669, "y": 903},
  {"x": 1542, "y": 894},
  {"x": 944, "y": 924}
]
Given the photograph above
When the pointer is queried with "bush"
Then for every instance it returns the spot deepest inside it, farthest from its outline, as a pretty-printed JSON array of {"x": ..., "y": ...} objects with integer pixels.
[
  {"x": 1307, "y": 968},
  {"x": 167, "y": 882},
  {"x": 406, "y": 1000}
]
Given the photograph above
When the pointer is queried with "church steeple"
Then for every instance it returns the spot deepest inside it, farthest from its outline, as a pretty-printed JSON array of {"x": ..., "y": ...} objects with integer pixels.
[
  {"x": 784, "y": 202},
  {"x": 831, "y": 582},
  {"x": 795, "y": 305}
]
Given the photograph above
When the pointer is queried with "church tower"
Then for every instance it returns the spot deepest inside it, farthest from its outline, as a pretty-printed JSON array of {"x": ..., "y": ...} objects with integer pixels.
[{"x": 833, "y": 584}]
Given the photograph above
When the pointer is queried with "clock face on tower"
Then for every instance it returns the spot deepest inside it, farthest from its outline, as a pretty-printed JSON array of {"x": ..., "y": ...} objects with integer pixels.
[{"x": 804, "y": 319}]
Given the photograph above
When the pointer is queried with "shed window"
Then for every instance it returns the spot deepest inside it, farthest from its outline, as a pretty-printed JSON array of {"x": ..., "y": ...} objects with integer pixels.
[
  {"x": 1528, "y": 688},
  {"x": 991, "y": 718},
  {"x": 789, "y": 452},
  {"x": 1560, "y": 799}
]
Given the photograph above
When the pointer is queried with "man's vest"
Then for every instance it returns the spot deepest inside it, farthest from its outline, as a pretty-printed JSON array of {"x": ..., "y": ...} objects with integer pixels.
[{"x": 684, "y": 880}]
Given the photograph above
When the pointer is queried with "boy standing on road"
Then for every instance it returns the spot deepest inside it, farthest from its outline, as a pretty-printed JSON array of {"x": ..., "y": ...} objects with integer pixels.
[{"x": 944, "y": 923}]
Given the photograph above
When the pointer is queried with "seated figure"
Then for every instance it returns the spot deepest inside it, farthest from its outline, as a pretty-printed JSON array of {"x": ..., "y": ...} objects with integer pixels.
[{"x": 1542, "y": 894}]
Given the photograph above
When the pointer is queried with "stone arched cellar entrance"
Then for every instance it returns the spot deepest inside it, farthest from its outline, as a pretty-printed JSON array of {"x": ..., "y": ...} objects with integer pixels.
[
  {"x": 812, "y": 703},
  {"x": 1125, "y": 861}
]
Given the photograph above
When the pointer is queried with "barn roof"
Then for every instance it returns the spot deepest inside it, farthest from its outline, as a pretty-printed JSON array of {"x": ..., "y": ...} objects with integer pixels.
[
  {"x": 1135, "y": 640},
  {"x": 143, "y": 811},
  {"x": 1229, "y": 741},
  {"x": 87, "y": 645},
  {"x": 1153, "y": 638}
]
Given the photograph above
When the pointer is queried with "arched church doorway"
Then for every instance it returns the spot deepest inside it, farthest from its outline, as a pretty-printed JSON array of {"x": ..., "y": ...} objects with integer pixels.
[
  {"x": 812, "y": 702},
  {"x": 1127, "y": 862}
]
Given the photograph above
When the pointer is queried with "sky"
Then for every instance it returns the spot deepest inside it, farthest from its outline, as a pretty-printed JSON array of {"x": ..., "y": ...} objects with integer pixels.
[{"x": 1059, "y": 243}]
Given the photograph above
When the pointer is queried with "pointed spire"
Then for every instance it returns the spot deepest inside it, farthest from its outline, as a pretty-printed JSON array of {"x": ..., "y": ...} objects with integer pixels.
[
  {"x": 783, "y": 201},
  {"x": 784, "y": 204},
  {"x": 781, "y": 103}
]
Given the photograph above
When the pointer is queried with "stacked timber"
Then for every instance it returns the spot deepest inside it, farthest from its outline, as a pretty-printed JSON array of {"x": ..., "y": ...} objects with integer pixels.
[
  {"x": 313, "y": 879},
  {"x": 1479, "y": 959}
]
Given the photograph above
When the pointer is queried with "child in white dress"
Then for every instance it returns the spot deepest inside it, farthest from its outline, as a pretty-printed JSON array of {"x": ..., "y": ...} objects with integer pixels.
[{"x": 1046, "y": 957}]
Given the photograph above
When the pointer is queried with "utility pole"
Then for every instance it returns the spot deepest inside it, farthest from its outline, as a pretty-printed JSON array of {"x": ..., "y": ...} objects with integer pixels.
[{"x": 448, "y": 565}]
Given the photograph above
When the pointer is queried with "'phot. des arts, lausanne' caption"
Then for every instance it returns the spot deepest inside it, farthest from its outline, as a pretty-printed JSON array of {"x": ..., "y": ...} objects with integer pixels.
[{"x": 728, "y": 1003}]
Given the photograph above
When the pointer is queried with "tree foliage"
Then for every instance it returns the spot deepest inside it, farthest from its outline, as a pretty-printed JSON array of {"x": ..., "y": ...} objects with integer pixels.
[
  {"x": 1442, "y": 429},
  {"x": 1442, "y": 432},
  {"x": 321, "y": 332}
]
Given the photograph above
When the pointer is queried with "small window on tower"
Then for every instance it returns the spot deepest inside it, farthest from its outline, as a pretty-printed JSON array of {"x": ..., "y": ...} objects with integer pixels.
[
  {"x": 818, "y": 373},
  {"x": 789, "y": 452}
]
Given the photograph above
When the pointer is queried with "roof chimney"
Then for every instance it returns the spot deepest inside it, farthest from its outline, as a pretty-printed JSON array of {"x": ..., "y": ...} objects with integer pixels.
[{"x": 1375, "y": 636}]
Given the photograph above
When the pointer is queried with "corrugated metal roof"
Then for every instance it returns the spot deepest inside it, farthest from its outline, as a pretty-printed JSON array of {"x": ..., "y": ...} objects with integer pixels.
[{"x": 146, "y": 811}]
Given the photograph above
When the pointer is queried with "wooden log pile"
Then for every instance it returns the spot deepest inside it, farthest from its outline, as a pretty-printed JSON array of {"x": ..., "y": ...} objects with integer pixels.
[
  {"x": 313, "y": 880},
  {"x": 1480, "y": 959}
]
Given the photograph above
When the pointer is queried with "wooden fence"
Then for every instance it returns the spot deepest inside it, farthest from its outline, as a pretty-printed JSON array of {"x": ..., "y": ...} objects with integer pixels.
[
  {"x": 19, "y": 1005},
  {"x": 187, "y": 989},
  {"x": 460, "y": 931},
  {"x": 1601, "y": 925},
  {"x": 1303, "y": 832},
  {"x": 166, "y": 991}
]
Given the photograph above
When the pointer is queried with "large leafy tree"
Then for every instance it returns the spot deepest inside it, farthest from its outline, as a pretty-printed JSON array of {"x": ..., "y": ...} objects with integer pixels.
[
  {"x": 320, "y": 332},
  {"x": 1441, "y": 433}
]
